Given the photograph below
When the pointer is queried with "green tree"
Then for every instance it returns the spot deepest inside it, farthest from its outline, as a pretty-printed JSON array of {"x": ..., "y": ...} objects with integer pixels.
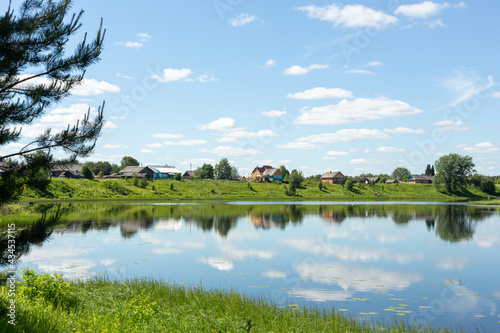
[
  {"x": 401, "y": 174},
  {"x": 177, "y": 177},
  {"x": 428, "y": 170},
  {"x": 348, "y": 185},
  {"x": 135, "y": 180},
  {"x": 284, "y": 171},
  {"x": 222, "y": 169},
  {"x": 87, "y": 173},
  {"x": 206, "y": 171},
  {"x": 234, "y": 173},
  {"x": 296, "y": 179},
  {"x": 37, "y": 70},
  {"x": 101, "y": 166},
  {"x": 144, "y": 182},
  {"x": 114, "y": 168},
  {"x": 452, "y": 171},
  {"x": 320, "y": 186},
  {"x": 100, "y": 174},
  {"x": 128, "y": 161}
]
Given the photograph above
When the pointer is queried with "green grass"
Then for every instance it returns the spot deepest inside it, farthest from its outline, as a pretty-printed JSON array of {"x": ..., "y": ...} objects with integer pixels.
[
  {"x": 47, "y": 303},
  {"x": 82, "y": 189}
]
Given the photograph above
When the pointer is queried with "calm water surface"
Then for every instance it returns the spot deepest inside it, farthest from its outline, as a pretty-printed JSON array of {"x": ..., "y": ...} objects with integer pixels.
[{"x": 429, "y": 262}]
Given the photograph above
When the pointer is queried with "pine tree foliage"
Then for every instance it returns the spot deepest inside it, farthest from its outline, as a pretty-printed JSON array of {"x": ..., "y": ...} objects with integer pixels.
[{"x": 36, "y": 72}]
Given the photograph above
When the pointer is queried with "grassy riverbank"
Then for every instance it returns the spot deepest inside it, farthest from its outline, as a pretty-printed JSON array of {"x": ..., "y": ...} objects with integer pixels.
[
  {"x": 46, "y": 303},
  {"x": 82, "y": 189}
]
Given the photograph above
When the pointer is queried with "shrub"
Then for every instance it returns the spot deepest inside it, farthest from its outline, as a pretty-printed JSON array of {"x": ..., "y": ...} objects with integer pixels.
[
  {"x": 116, "y": 187},
  {"x": 135, "y": 180},
  {"x": 320, "y": 186},
  {"x": 348, "y": 185},
  {"x": 171, "y": 186},
  {"x": 101, "y": 174},
  {"x": 144, "y": 182},
  {"x": 177, "y": 176},
  {"x": 87, "y": 173},
  {"x": 488, "y": 186}
]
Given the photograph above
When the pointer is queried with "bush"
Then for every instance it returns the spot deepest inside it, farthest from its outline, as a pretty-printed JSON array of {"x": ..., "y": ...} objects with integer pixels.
[
  {"x": 488, "y": 186},
  {"x": 116, "y": 187},
  {"x": 348, "y": 185},
  {"x": 87, "y": 173},
  {"x": 290, "y": 190},
  {"x": 320, "y": 186},
  {"x": 144, "y": 182},
  {"x": 178, "y": 176},
  {"x": 135, "y": 180},
  {"x": 101, "y": 174},
  {"x": 171, "y": 186}
]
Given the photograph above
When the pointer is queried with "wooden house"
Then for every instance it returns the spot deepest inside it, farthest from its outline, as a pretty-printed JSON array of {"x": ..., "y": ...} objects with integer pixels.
[
  {"x": 258, "y": 173},
  {"x": 332, "y": 177},
  {"x": 140, "y": 171},
  {"x": 360, "y": 180},
  {"x": 373, "y": 180},
  {"x": 164, "y": 172},
  {"x": 273, "y": 175},
  {"x": 66, "y": 171},
  {"x": 420, "y": 179},
  {"x": 188, "y": 175}
]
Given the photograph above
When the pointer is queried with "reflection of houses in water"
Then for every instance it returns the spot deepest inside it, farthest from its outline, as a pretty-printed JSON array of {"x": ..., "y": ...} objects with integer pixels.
[
  {"x": 267, "y": 221},
  {"x": 128, "y": 228},
  {"x": 333, "y": 216}
]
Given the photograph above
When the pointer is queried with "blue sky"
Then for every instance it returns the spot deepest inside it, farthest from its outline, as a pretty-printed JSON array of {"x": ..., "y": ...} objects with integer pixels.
[{"x": 362, "y": 86}]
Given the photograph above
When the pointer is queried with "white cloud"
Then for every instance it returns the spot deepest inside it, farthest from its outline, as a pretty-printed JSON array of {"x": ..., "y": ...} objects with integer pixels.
[
  {"x": 365, "y": 161},
  {"x": 421, "y": 10},
  {"x": 230, "y": 151},
  {"x": 449, "y": 123},
  {"x": 495, "y": 94},
  {"x": 452, "y": 263},
  {"x": 273, "y": 113},
  {"x": 147, "y": 151},
  {"x": 390, "y": 150},
  {"x": 109, "y": 124},
  {"x": 124, "y": 76},
  {"x": 171, "y": 74},
  {"x": 143, "y": 36},
  {"x": 344, "y": 135},
  {"x": 451, "y": 126},
  {"x": 167, "y": 136},
  {"x": 467, "y": 83},
  {"x": 199, "y": 161},
  {"x": 337, "y": 153},
  {"x": 114, "y": 146},
  {"x": 374, "y": 63},
  {"x": 270, "y": 63},
  {"x": 221, "y": 124},
  {"x": 226, "y": 140},
  {"x": 350, "y": 16},
  {"x": 185, "y": 143},
  {"x": 274, "y": 274},
  {"x": 241, "y": 20},
  {"x": 482, "y": 148},
  {"x": 298, "y": 145},
  {"x": 91, "y": 87},
  {"x": 404, "y": 130},
  {"x": 321, "y": 93},
  {"x": 359, "y": 71},
  {"x": 239, "y": 134},
  {"x": 132, "y": 45},
  {"x": 357, "y": 110},
  {"x": 61, "y": 117},
  {"x": 297, "y": 70}
]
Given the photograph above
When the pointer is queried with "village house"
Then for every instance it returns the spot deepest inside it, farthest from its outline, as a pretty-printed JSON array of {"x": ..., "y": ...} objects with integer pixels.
[
  {"x": 373, "y": 180},
  {"x": 188, "y": 175},
  {"x": 140, "y": 171},
  {"x": 164, "y": 172},
  {"x": 258, "y": 173},
  {"x": 66, "y": 171},
  {"x": 332, "y": 177},
  {"x": 273, "y": 175},
  {"x": 420, "y": 179},
  {"x": 360, "y": 180}
]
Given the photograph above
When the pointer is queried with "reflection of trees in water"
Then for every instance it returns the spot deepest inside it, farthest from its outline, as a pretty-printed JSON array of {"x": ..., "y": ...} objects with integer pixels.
[
  {"x": 35, "y": 234},
  {"x": 457, "y": 223},
  {"x": 451, "y": 222}
]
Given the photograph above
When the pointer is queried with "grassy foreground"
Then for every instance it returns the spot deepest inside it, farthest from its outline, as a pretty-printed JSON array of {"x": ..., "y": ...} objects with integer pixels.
[
  {"x": 47, "y": 303},
  {"x": 76, "y": 189}
]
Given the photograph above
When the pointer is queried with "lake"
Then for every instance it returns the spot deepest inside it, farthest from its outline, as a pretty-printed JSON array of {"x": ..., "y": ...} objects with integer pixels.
[{"x": 429, "y": 262}]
